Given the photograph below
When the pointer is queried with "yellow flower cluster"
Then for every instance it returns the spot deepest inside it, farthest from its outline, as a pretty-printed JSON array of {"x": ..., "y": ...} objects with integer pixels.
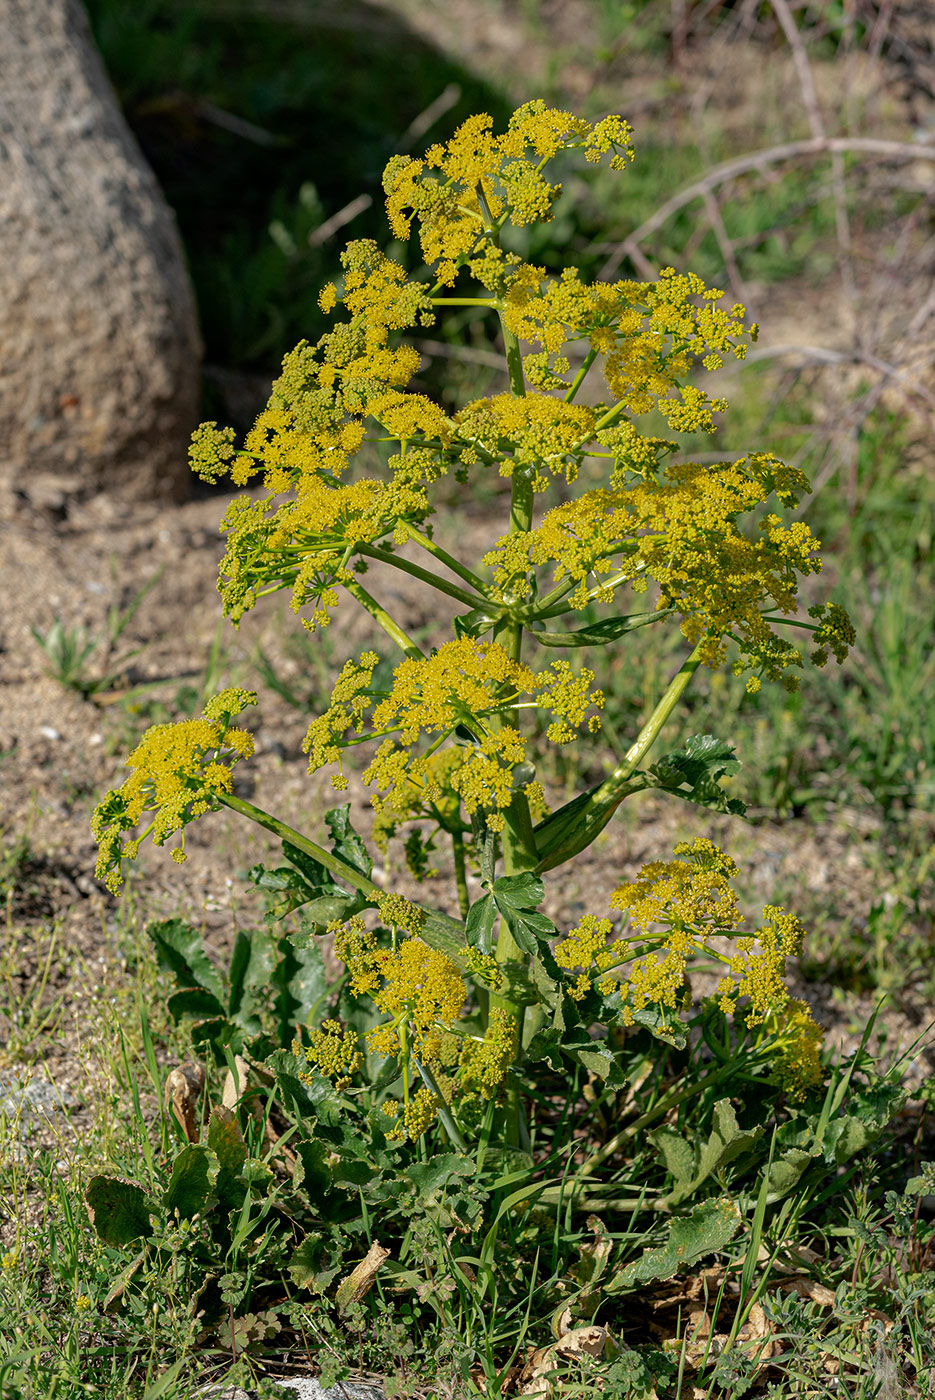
[
  {"x": 417, "y": 987},
  {"x": 306, "y": 544},
  {"x": 692, "y": 891},
  {"x": 681, "y": 531},
  {"x": 485, "y": 180},
  {"x": 422, "y": 994},
  {"x": 484, "y": 967},
  {"x": 179, "y": 771},
  {"x": 430, "y": 795},
  {"x": 464, "y": 684},
  {"x": 396, "y": 912},
  {"x": 582, "y": 946},
  {"x": 799, "y": 1042},
  {"x": 759, "y": 971},
  {"x": 413, "y": 1118},
  {"x": 483, "y": 1064},
  {"x": 333, "y": 1050},
  {"x": 687, "y": 906},
  {"x": 650, "y": 333},
  {"x": 537, "y": 432}
]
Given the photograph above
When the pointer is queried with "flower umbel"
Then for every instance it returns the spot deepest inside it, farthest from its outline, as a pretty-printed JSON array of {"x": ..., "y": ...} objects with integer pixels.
[{"x": 179, "y": 773}]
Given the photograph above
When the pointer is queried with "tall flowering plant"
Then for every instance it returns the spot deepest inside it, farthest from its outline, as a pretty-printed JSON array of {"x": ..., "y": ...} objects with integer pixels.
[{"x": 464, "y": 1007}]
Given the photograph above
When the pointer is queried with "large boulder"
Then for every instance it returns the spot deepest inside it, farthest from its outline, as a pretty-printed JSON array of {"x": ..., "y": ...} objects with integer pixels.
[{"x": 99, "y": 342}]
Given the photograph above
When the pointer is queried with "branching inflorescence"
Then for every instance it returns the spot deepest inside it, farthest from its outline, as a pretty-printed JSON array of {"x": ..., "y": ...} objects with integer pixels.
[{"x": 706, "y": 542}]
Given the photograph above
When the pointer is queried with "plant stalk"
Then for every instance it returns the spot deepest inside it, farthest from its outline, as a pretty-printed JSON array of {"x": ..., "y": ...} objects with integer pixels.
[
  {"x": 439, "y": 931},
  {"x": 575, "y": 826}
]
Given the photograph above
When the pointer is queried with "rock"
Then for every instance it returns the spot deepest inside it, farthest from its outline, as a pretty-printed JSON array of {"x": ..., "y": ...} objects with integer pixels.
[
  {"x": 302, "y": 1387},
  {"x": 30, "y": 1097}
]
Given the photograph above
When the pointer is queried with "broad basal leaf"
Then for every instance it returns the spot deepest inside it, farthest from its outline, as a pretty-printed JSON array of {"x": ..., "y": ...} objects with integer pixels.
[
  {"x": 725, "y": 1142},
  {"x": 709, "y": 1228},
  {"x": 191, "y": 1185},
  {"x": 119, "y": 1209},
  {"x": 180, "y": 950}
]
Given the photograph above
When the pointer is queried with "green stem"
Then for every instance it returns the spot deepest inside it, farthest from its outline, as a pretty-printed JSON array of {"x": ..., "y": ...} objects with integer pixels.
[
  {"x": 653, "y": 726},
  {"x": 572, "y": 828},
  {"x": 518, "y": 841},
  {"x": 457, "y": 846},
  {"x": 579, "y": 378},
  {"x": 370, "y": 551},
  {"x": 464, "y": 301},
  {"x": 445, "y": 558},
  {"x": 444, "y": 1112},
  {"x": 380, "y": 615},
  {"x": 439, "y": 931}
]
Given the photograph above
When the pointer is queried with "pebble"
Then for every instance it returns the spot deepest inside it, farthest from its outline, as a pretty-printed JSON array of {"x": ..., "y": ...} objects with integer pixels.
[
  {"x": 31, "y": 1097},
  {"x": 303, "y": 1388}
]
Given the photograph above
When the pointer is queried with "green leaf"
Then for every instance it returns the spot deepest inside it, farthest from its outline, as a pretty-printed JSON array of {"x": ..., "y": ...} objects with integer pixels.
[
  {"x": 194, "y": 1004},
  {"x": 694, "y": 773},
  {"x": 226, "y": 1142},
  {"x": 252, "y": 961},
  {"x": 311, "y": 1172},
  {"x": 595, "y": 1056},
  {"x": 525, "y": 891},
  {"x": 786, "y": 1172},
  {"x": 516, "y": 897},
  {"x": 304, "y": 1266},
  {"x": 598, "y": 634},
  {"x": 661, "y": 1024},
  {"x": 479, "y": 924},
  {"x": 429, "y": 1177},
  {"x": 676, "y": 1152},
  {"x": 725, "y": 1142},
  {"x": 119, "y": 1209},
  {"x": 300, "y": 986},
  {"x": 709, "y": 1228},
  {"x": 474, "y": 623},
  {"x": 344, "y": 840},
  {"x": 310, "y": 1096},
  {"x": 191, "y": 1184},
  {"x": 546, "y": 1045},
  {"x": 180, "y": 951}
]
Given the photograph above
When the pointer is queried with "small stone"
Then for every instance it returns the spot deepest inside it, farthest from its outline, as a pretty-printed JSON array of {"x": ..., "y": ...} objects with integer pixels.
[{"x": 48, "y": 732}]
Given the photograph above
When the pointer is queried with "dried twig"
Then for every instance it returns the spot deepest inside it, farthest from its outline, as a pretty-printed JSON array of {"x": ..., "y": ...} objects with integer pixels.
[
  {"x": 337, "y": 221},
  {"x": 743, "y": 165},
  {"x": 817, "y": 128}
]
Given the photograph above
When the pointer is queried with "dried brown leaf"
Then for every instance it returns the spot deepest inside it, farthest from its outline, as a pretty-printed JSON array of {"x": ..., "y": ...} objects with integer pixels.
[
  {"x": 361, "y": 1279},
  {"x": 184, "y": 1093}
]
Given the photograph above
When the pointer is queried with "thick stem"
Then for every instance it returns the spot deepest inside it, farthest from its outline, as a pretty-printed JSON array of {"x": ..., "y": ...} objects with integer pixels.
[
  {"x": 572, "y": 829},
  {"x": 517, "y": 839},
  {"x": 380, "y": 615},
  {"x": 457, "y": 846},
  {"x": 439, "y": 931},
  {"x": 416, "y": 571}
]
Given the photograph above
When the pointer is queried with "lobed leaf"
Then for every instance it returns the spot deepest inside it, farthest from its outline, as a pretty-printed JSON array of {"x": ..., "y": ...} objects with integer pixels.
[{"x": 710, "y": 1227}]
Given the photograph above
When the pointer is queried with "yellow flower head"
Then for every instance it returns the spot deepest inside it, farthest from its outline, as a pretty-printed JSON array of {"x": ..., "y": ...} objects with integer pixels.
[
  {"x": 334, "y": 1051},
  {"x": 179, "y": 772},
  {"x": 464, "y": 685}
]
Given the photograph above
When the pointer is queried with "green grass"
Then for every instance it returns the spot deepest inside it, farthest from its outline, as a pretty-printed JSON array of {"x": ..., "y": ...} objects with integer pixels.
[{"x": 80, "y": 1317}]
